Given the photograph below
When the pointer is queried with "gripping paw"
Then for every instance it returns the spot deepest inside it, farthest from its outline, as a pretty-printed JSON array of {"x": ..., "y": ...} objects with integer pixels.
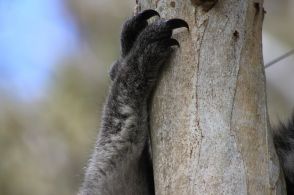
[
  {"x": 131, "y": 29},
  {"x": 145, "y": 49},
  {"x": 152, "y": 48}
]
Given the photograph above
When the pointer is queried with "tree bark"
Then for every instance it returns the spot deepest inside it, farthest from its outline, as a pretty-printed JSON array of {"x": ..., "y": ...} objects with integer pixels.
[{"x": 209, "y": 123}]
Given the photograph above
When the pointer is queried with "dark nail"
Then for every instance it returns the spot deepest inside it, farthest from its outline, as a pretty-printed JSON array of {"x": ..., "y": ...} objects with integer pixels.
[
  {"x": 173, "y": 42},
  {"x": 177, "y": 23},
  {"x": 146, "y": 14}
]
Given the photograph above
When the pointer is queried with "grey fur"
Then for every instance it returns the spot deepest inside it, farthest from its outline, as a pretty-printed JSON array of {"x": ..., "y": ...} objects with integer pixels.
[
  {"x": 284, "y": 143},
  {"x": 121, "y": 163}
]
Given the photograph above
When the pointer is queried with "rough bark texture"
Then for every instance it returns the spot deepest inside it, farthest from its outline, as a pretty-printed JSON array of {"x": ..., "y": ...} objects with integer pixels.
[{"x": 209, "y": 122}]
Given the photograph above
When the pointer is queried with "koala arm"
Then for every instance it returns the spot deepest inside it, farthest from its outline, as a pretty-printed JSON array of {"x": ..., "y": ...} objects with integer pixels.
[
  {"x": 120, "y": 163},
  {"x": 114, "y": 164}
]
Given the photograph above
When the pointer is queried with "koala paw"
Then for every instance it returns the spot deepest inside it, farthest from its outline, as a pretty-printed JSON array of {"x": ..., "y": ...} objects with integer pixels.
[
  {"x": 133, "y": 27},
  {"x": 150, "y": 50},
  {"x": 130, "y": 31},
  {"x": 154, "y": 46}
]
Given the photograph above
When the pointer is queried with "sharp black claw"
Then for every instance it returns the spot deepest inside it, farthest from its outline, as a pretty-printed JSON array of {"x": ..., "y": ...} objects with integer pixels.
[
  {"x": 177, "y": 23},
  {"x": 146, "y": 14},
  {"x": 173, "y": 42}
]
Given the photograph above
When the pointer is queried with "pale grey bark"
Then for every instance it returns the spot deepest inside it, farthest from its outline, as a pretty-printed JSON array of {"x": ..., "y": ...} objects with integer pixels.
[{"x": 209, "y": 122}]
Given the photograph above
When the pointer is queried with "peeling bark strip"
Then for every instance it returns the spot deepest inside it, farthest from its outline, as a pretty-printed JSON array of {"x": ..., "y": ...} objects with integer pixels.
[{"x": 209, "y": 122}]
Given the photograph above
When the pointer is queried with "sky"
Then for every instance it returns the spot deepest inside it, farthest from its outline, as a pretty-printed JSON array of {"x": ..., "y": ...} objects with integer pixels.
[{"x": 34, "y": 36}]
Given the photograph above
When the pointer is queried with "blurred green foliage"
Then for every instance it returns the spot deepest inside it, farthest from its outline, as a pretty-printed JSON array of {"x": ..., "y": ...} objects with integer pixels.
[{"x": 45, "y": 144}]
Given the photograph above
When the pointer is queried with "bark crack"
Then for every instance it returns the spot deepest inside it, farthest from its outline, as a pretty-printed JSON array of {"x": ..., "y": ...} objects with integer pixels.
[{"x": 205, "y": 23}]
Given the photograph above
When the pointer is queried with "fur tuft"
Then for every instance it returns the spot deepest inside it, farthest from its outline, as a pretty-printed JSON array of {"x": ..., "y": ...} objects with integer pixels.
[{"x": 284, "y": 143}]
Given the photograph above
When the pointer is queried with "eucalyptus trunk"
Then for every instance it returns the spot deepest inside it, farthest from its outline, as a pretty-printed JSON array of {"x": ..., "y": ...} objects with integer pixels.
[{"x": 209, "y": 123}]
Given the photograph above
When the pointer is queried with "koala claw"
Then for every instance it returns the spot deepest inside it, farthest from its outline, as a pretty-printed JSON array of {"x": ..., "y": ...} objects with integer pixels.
[
  {"x": 177, "y": 23},
  {"x": 147, "y": 14},
  {"x": 173, "y": 42}
]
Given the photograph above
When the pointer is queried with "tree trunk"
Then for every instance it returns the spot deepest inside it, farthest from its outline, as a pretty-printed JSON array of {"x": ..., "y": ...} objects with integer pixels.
[{"x": 209, "y": 123}]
